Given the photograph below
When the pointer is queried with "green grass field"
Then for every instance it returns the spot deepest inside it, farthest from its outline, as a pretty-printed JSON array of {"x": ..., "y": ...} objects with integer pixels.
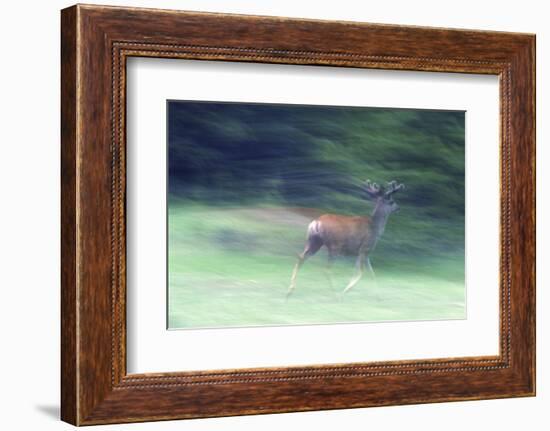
[{"x": 231, "y": 267}]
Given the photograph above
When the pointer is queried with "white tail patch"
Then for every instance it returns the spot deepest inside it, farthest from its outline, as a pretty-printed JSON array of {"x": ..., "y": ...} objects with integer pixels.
[{"x": 314, "y": 228}]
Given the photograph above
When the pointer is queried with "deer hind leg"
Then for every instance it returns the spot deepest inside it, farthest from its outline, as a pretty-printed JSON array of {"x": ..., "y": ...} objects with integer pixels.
[
  {"x": 359, "y": 265},
  {"x": 314, "y": 243}
]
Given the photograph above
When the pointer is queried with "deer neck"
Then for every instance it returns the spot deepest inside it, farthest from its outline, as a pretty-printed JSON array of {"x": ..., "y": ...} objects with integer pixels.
[{"x": 379, "y": 219}]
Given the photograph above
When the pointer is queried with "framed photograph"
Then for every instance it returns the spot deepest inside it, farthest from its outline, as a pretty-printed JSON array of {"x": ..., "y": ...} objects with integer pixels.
[{"x": 264, "y": 214}]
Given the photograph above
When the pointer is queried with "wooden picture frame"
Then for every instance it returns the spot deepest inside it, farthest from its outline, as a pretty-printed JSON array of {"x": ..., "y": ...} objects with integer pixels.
[{"x": 95, "y": 43}]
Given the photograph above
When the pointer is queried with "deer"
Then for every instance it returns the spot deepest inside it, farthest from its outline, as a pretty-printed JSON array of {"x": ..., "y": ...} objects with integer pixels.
[{"x": 350, "y": 235}]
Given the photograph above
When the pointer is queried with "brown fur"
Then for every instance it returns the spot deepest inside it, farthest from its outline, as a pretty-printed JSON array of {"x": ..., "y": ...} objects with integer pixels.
[{"x": 344, "y": 235}]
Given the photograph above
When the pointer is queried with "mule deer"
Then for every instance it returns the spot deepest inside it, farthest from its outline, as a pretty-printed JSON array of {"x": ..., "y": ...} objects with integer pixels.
[{"x": 348, "y": 235}]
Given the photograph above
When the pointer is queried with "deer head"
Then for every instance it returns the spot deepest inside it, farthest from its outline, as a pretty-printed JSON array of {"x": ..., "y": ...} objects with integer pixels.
[{"x": 383, "y": 196}]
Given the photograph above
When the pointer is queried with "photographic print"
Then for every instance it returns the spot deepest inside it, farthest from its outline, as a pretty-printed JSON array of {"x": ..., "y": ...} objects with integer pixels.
[{"x": 283, "y": 214}]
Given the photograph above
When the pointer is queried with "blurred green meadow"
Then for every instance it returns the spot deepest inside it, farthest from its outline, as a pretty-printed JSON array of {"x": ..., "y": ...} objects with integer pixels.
[{"x": 245, "y": 180}]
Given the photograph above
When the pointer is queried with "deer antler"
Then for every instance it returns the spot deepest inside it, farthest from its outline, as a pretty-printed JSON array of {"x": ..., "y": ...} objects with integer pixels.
[
  {"x": 392, "y": 187},
  {"x": 372, "y": 189}
]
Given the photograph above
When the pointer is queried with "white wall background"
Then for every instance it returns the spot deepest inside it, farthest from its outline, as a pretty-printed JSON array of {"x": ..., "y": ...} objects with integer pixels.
[{"x": 29, "y": 226}]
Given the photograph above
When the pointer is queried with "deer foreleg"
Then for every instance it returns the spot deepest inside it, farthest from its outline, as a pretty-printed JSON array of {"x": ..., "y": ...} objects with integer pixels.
[
  {"x": 359, "y": 265},
  {"x": 369, "y": 266}
]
